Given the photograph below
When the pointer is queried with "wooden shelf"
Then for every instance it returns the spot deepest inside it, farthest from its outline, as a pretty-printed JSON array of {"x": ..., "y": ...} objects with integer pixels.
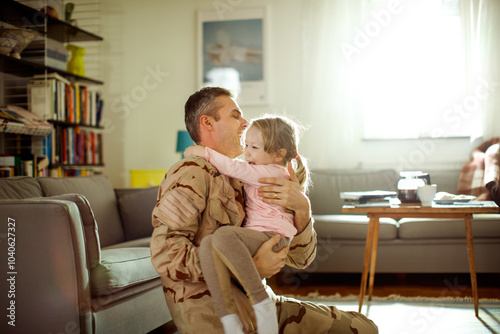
[
  {"x": 68, "y": 124},
  {"x": 70, "y": 166},
  {"x": 24, "y": 68},
  {"x": 18, "y": 14}
]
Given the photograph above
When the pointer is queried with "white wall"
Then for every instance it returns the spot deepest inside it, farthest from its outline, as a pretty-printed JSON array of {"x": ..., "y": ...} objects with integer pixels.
[{"x": 143, "y": 114}]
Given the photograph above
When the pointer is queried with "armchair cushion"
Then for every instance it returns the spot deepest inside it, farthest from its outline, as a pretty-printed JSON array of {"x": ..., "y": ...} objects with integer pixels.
[
  {"x": 121, "y": 268},
  {"x": 100, "y": 193},
  {"x": 136, "y": 206}
]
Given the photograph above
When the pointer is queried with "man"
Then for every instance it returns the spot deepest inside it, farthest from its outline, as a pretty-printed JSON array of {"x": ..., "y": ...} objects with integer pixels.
[{"x": 194, "y": 200}]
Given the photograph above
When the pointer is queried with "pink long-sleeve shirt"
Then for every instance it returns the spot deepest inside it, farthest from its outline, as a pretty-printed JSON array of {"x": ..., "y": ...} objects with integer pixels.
[{"x": 260, "y": 216}]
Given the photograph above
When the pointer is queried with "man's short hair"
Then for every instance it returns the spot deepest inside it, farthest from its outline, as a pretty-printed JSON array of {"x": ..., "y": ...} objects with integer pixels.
[{"x": 202, "y": 102}]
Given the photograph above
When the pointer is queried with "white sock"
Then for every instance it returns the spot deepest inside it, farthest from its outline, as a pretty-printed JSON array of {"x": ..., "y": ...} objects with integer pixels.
[
  {"x": 232, "y": 324},
  {"x": 267, "y": 320}
]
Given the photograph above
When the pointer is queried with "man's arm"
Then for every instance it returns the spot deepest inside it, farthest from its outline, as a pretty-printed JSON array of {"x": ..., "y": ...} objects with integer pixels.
[
  {"x": 176, "y": 220},
  {"x": 303, "y": 248}
]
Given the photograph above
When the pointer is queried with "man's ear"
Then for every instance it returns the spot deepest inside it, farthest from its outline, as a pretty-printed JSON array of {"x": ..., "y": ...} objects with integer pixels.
[
  {"x": 280, "y": 155},
  {"x": 207, "y": 122}
]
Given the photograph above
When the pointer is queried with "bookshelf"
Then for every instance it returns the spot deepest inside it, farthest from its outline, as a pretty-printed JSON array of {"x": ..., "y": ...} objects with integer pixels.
[{"x": 69, "y": 142}]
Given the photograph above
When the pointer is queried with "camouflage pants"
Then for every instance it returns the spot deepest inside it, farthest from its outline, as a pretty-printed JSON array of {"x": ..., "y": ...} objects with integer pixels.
[
  {"x": 294, "y": 317},
  {"x": 297, "y": 316}
]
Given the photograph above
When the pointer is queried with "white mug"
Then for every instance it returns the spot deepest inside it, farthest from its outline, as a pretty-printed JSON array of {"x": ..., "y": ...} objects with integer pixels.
[{"x": 426, "y": 194}]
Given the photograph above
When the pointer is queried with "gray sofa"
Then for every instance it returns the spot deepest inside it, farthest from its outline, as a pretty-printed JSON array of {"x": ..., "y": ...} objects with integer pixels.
[
  {"x": 76, "y": 252},
  {"x": 410, "y": 245}
]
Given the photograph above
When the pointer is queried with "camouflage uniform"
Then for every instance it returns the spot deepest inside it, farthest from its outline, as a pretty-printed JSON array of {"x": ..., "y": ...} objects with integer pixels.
[{"x": 193, "y": 201}]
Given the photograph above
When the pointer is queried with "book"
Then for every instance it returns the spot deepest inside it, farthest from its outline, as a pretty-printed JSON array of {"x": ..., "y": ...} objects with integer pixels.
[
  {"x": 52, "y": 75},
  {"x": 7, "y": 160},
  {"x": 14, "y": 119},
  {"x": 47, "y": 96},
  {"x": 7, "y": 171},
  {"x": 368, "y": 198},
  {"x": 39, "y": 98},
  {"x": 364, "y": 196}
]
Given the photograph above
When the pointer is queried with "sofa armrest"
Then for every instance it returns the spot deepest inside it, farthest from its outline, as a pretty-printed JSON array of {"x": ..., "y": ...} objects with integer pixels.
[
  {"x": 43, "y": 255},
  {"x": 91, "y": 233},
  {"x": 136, "y": 207}
]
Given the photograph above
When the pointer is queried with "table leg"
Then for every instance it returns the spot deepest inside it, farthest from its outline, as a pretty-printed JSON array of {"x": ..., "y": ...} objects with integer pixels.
[
  {"x": 472, "y": 262},
  {"x": 374, "y": 256},
  {"x": 366, "y": 260}
]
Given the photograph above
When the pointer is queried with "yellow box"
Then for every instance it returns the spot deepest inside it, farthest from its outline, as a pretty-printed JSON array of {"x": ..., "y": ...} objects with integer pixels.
[{"x": 141, "y": 178}]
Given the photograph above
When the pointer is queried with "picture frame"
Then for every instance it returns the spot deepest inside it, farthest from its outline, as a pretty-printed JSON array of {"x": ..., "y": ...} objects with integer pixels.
[{"x": 232, "y": 52}]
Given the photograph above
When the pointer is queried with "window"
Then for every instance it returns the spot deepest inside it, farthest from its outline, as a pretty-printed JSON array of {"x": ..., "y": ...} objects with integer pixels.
[{"x": 412, "y": 75}]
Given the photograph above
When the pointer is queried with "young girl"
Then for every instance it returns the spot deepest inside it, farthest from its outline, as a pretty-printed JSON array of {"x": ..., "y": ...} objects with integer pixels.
[{"x": 270, "y": 144}]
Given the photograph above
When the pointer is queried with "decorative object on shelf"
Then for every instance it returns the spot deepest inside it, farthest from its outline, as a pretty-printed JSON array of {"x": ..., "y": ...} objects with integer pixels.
[
  {"x": 7, "y": 44},
  {"x": 68, "y": 12},
  {"x": 23, "y": 36},
  {"x": 56, "y": 55},
  {"x": 50, "y": 11},
  {"x": 183, "y": 141},
  {"x": 75, "y": 64}
]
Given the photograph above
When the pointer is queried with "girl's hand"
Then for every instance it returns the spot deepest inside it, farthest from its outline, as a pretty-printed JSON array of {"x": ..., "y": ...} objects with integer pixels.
[
  {"x": 195, "y": 150},
  {"x": 289, "y": 195}
]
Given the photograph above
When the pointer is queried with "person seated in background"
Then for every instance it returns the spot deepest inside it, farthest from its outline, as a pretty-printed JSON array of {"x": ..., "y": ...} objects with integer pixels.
[{"x": 481, "y": 176}]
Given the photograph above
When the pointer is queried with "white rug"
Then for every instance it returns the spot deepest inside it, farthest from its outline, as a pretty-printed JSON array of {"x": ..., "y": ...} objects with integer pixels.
[{"x": 401, "y": 315}]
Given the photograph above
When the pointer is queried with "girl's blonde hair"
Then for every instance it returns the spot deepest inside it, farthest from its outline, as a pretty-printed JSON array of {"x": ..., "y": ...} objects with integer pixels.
[{"x": 279, "y": 132}]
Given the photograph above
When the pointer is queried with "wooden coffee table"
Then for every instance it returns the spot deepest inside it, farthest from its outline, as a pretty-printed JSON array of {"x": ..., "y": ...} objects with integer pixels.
[{"x": 374, "y": 213}]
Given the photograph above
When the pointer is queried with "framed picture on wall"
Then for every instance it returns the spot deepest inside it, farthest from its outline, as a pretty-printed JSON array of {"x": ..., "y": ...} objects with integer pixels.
[{"x": 231, "y": 52}]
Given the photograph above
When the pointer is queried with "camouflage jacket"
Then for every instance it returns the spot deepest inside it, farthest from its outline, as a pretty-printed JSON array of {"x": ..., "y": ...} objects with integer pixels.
[{"x": 193, "y": 201}]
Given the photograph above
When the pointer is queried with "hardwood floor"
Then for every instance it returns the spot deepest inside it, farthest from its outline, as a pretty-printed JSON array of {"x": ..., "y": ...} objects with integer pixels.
[{"x": 409, "y": 285}]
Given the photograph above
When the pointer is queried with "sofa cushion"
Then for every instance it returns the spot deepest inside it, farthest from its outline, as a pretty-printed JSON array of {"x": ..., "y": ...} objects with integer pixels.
[
  {"x": 142, "y": 242},
  {"x": 352, "y": 227},
  {"x": 121, "y": 268},
  {"x": 446, "y": 180},
  {"x": 92, "y": 244},
  {"x": 101, "y": 196},
  {"x": 483, "y": 226},
  {"x": 136, "y": 206},
  {"x": 19, "y": 187},
  {"x": 327, "y": 185}
]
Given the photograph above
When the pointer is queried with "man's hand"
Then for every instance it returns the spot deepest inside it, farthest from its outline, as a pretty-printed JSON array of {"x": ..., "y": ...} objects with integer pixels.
[
  {"x": 267, "y": 262},
  {"x": 289, "y": 195},
  {"x": 196, "y": 150}
]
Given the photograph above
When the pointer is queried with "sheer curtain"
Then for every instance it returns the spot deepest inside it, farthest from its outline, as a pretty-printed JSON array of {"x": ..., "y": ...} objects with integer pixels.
[
  {"x": 330, "y": 102},
  {"x": 336, "y": 91},
  {"x": 481, "y": 27}
]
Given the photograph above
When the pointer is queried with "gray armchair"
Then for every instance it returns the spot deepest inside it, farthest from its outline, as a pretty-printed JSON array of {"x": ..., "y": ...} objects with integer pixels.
[{"x": 76, "y": 252}]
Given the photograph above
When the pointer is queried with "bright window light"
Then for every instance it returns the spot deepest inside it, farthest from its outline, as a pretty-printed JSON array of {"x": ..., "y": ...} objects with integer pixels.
[{"x": 412, "y": 77}]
